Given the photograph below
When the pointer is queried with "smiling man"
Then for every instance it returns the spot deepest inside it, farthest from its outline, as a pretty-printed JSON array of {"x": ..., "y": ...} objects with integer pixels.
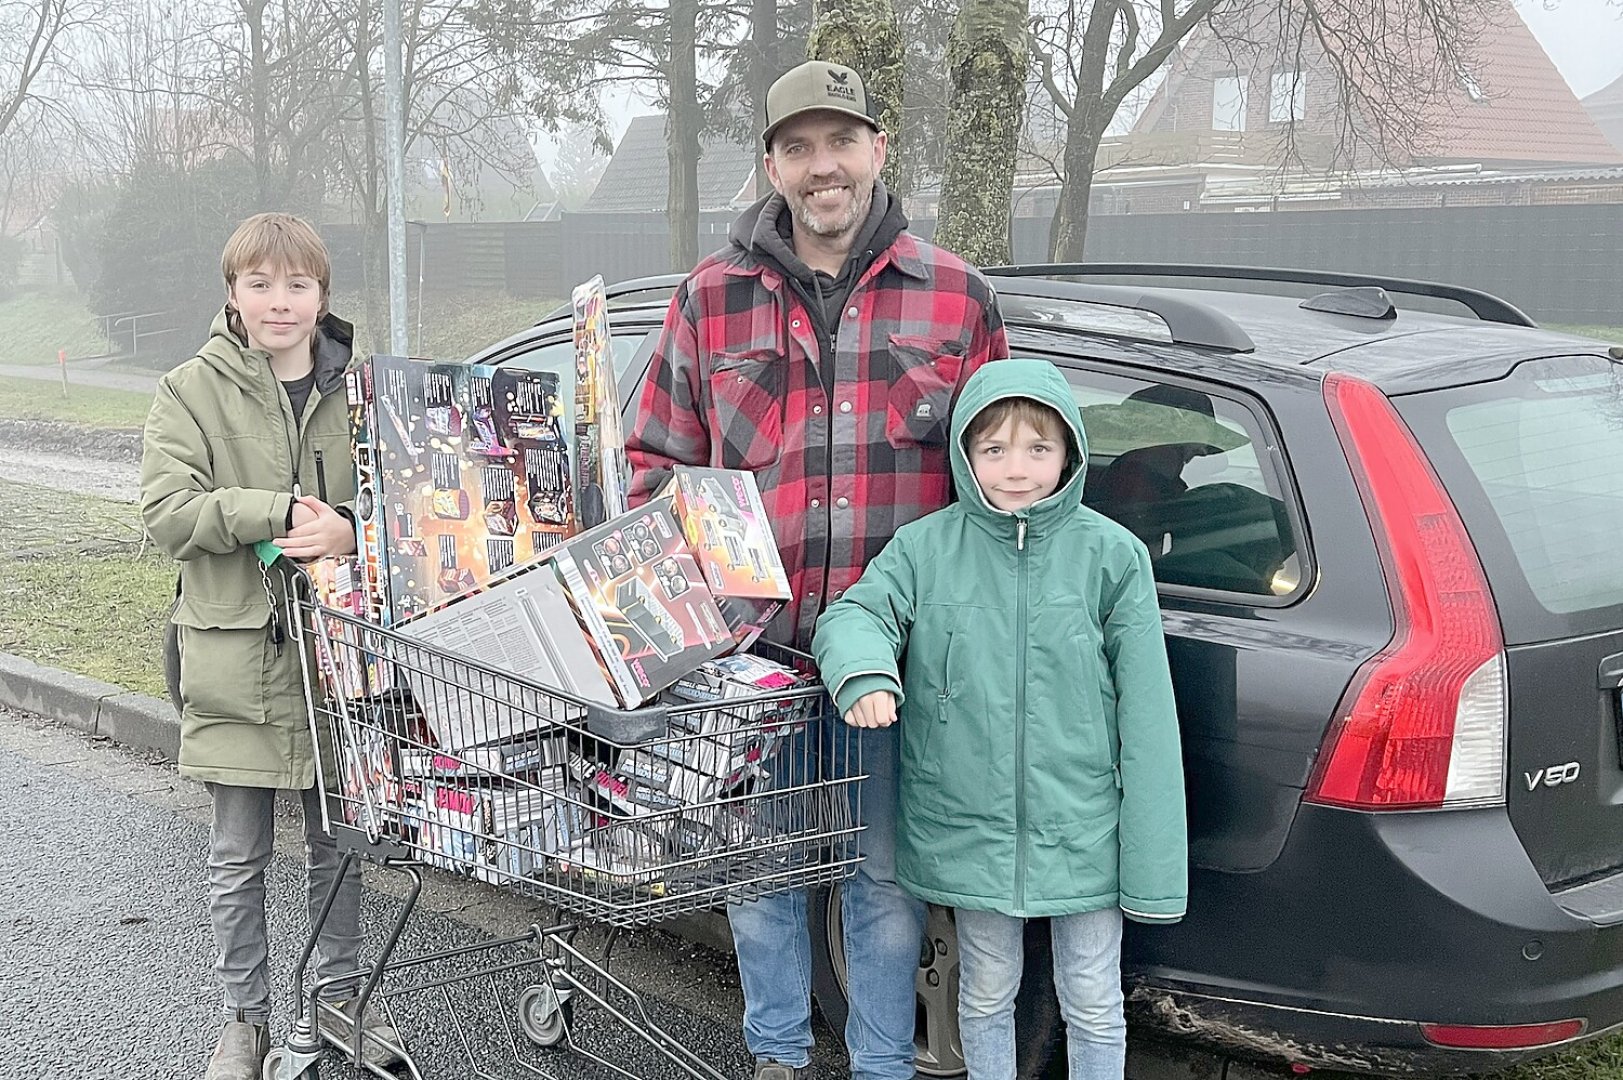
[{"x": 823, "y": 350}]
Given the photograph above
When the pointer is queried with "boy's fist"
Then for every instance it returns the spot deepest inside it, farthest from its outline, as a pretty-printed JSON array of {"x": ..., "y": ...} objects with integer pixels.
[{"x": 874, "y": 710}]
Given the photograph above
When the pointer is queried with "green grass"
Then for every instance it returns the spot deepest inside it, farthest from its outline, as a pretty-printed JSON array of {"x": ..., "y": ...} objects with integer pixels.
[
  {"x": 1608, "y": 334},
  {"x": 33, "y": 325},
  {"x": 454, "y": 327},
  {"x": 1601, "y": 1060},
  {"x": 76, "y": 590},
  {"x": 87, "y": 406}
]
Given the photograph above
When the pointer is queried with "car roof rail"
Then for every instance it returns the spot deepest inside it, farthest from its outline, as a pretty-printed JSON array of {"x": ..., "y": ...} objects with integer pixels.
[
  {"x": 1485, "y": 306},
  {"x": 1188, "y": 321},
  {"x": 630, "y": 287}
]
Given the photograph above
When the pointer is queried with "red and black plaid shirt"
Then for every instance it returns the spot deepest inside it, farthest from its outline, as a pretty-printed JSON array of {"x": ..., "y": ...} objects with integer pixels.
[{"x": 735, "y": 383}]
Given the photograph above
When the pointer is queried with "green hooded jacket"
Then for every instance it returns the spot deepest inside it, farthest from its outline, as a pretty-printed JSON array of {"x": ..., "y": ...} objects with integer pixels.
[
  {"x": 219, "y": 460},
  {"x": 1041, "y": 765}
]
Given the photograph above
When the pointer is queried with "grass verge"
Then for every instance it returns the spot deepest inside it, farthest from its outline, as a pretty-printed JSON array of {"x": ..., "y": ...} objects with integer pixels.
[
  {"x": 87, "y": 406},
  {"x": 77, "y": 592},
  {"x": 33, "y": 325},
  {"x": 1612, "y": 335}
]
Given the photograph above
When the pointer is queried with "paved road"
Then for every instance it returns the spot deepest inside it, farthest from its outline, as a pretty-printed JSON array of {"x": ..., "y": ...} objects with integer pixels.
[
  {"x": 108, "y": 949},
  {"x": 85, "y": 374}
]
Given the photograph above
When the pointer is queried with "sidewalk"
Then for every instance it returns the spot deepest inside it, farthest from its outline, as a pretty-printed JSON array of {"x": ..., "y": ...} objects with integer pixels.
[
  {"x": 86, "y": 374},
  {"x": 90, "y": 706}
]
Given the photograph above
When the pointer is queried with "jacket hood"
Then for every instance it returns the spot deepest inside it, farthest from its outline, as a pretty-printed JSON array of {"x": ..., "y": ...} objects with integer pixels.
[
  {"x": 1040, "y": 381},
  {"x": 228, "y": 352},
  {"x": 765, "y": 231}
]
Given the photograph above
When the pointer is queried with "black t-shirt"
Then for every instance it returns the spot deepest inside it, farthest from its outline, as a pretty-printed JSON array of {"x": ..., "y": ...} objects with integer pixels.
[{"x": 298, "y": 394}]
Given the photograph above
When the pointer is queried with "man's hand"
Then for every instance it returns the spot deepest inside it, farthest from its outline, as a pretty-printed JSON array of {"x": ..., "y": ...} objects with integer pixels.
[
  {"x": 318, "y": 531},
  {"x": 875, "y": 710}
]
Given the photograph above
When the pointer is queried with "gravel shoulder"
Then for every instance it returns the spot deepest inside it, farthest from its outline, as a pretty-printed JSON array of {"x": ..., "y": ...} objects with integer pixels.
[{"x": 64, "y": 457}]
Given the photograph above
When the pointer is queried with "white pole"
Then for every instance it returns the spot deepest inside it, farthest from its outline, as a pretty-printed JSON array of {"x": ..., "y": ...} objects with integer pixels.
[{"x": 394, "y": 100}]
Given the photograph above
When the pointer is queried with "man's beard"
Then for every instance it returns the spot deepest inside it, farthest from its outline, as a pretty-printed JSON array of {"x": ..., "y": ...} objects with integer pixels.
[{"x": 854, "y": 215}]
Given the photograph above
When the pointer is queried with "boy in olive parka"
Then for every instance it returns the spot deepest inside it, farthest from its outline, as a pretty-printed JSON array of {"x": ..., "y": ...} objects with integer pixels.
[{"x": 1041, "y": 766}]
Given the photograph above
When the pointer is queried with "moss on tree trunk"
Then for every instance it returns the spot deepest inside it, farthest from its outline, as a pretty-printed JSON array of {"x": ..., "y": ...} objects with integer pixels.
[{"x": 865, "y": 35}]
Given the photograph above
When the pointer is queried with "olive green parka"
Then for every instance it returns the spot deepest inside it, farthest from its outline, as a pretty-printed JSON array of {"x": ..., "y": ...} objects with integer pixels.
[
  {"x": 1041, "y": 766},
  {"x": 220, "y": 457}
]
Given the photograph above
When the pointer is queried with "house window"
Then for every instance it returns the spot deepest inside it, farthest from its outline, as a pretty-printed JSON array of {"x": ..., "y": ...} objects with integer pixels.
[
  {"x": 1287, "y": 102},
  {"x": 1229, "y": 94}
]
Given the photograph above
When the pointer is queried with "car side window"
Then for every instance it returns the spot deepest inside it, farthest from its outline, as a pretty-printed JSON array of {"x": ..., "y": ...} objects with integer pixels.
[
  {"x": 558, "y": 356},
  {"x": 1179, "y": 467}
]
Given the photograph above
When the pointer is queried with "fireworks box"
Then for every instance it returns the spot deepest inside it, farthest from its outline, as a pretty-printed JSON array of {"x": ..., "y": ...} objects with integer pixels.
[
  {"x": 521, "y": 624},
  {"x": 639, "y": 594},
  {"x": 728, "y": 742},
  {"x": 726, "y": 525},
  {"x": 602, "y": 472},
  {"x": 462, "y": 472},
  {"x": 496, "y": 832},
  {"x": 520, "y": 758},
  {"x": 348, "y": 669}
]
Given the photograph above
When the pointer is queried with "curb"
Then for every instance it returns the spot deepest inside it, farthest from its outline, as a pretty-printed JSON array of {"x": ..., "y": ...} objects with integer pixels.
[{"x": 90, "y": 706}]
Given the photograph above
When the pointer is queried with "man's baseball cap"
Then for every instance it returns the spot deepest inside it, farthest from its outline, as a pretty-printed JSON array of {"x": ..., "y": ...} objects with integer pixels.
[{"x": 814, "y": 86}]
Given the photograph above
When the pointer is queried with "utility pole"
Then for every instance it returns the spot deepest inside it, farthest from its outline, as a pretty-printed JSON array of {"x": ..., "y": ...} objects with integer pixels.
[{"x": 394, "y": 108}]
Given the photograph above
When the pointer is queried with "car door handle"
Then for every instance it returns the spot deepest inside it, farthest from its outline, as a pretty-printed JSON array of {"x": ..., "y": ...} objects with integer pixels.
[{"x": 1610, "y": 676}]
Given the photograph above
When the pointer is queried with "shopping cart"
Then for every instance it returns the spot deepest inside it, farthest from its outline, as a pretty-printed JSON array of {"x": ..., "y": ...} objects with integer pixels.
[{"x": 622, "y": 818}]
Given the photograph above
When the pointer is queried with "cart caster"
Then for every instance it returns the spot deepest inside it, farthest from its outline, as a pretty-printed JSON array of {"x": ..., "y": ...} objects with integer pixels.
[
  {"x": 277, "y": 1061},
  {"x": 544, "y": 1013}
]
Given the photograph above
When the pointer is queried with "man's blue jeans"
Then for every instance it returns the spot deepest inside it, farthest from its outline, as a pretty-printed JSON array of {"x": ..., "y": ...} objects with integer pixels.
[{"x": 883, "y": 930}]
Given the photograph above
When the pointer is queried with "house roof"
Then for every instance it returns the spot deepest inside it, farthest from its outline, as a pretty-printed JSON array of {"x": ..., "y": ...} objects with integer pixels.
[
  {"x": 1605, "y": 108},
  {"x": 637, "y": 177},
  {"x": 1511, "y": 106}
]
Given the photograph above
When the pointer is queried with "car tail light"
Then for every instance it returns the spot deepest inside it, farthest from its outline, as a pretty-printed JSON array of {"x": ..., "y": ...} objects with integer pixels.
[
  {"x": 1502, "y": 1037},
  {"x": 1423, "y": 723}
]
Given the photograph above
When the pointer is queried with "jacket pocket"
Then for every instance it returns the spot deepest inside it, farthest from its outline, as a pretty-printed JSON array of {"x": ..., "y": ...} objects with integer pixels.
[
  {"x": 924, "y": 377},
  {"x": 225, "y": 674},
  {"x": 746, "y": 400},
  {"x": 1096, "y": 737}
]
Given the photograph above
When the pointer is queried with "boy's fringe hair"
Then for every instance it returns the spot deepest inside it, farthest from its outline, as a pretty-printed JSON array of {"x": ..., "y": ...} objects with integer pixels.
[
  {"x": 281, "y": 241},
  {"x": 1044, "y": 419}
]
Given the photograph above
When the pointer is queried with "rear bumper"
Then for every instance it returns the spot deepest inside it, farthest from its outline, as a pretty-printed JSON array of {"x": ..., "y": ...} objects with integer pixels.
[{"x": 1366, "y": 927}]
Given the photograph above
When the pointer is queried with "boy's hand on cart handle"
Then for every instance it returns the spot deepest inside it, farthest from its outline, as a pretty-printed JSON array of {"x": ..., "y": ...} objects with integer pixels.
[
  {"x": 318, "y": 531},
  {"x": 874, "y": 710}
]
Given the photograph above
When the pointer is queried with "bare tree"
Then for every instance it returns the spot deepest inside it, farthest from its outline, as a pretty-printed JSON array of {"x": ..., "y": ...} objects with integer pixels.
[
  {"x": 34, "y": 35},
  {"x": 988, "y": 62},
  {"x": 865, "y": 35}
]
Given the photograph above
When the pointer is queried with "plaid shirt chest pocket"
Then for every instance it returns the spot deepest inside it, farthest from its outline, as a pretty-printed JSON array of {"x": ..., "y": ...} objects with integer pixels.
[
  {"x": 924, "y": 377},
  {"x": 746, "y": 402}
]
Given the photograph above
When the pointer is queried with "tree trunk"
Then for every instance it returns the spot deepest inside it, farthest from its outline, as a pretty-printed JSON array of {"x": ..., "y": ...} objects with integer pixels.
[
  {"x": 1068, "y": 235},
  {"x": 258, "y": 93},
  {"x": 763, "y": 69},
  {"x": 682, "y": 127},
  {"x": 866, "y": 36},
  {"x": 987, "y": 61}
]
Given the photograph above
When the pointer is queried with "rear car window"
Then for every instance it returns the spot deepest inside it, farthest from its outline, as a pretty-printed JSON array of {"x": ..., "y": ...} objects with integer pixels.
[
  {"x": 1180, "y": 467},
  {"x": 1532, "y": 462}
]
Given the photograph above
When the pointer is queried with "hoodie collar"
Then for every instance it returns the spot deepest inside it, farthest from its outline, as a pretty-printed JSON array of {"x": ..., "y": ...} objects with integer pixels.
[
  {"x": 766, "y": 231},
  {"x": 1041, "y": 381},
  {"x": 229, "y": 353}
]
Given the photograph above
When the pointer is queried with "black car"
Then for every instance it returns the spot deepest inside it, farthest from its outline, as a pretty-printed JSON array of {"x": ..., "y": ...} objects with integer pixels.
[{"x": 1384, "y": 544}]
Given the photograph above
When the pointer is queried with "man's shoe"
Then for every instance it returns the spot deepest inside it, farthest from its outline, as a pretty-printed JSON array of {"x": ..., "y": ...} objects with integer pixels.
[
  {"x": 380, "y": 1042},
  {"x": 774, "y": 1070},
  {"x": 240, "y": 1053}
]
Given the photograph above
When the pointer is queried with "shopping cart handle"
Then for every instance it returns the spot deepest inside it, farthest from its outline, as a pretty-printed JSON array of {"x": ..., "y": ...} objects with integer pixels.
[{"x": 628, "y": 725}]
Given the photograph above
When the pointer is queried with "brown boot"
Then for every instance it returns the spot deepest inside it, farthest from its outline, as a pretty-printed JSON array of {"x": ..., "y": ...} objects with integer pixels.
[{"x": 240, "y": 1053}]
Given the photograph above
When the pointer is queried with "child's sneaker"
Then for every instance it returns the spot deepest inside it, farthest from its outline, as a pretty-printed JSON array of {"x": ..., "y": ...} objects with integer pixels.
[
  {"x": 379, "y": 1039},
  {"x": 774, "y": 1070},
  {"x": 240, "y": 1053}
]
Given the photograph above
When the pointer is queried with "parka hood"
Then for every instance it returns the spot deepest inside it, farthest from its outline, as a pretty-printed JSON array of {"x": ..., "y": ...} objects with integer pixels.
[
  {"x": 228, "y": 353},
  {"x": 1040, "y": 381}
]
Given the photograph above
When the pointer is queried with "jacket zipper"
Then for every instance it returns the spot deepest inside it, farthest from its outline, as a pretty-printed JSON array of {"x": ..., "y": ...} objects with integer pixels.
[{"x": 1020, "y": 721}]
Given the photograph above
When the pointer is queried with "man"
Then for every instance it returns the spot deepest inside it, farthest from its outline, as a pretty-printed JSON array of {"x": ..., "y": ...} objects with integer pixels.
[{"x": 822, "y": 350}]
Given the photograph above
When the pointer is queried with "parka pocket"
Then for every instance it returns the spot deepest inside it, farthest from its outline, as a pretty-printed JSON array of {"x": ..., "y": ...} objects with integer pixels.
[
  {"x": 225, "y": 674},
  {"x": 1098, "y": 734},
  {"x": 746, "y": 400},
  {"x": 923, "y": 379}
]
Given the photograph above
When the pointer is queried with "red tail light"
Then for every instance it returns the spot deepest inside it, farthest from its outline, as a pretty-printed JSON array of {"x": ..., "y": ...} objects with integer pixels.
[
  {"x": 1423, "y": 723},
  {"x": 1502, "y": 1037}
]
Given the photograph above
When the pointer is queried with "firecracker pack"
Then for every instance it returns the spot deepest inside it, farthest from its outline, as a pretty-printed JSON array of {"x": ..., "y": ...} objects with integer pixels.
[
  {"x": 727, "y": 739},
  {"x": 602, "y": 471},
  {"x": 348, "y": 669},
  {"x": 496, "y": 832},
  {"x": 726, "y": 525},
  {"x": 462, "y": 472},
  {"x": 641, "y": 598}
]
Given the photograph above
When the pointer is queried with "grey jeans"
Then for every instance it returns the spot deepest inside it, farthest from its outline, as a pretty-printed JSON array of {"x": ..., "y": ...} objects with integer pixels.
[{"x": 240, "y": 846}]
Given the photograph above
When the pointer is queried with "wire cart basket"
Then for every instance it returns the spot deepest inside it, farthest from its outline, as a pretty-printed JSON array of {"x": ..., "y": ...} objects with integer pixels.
[{"x": 623, "y": 818}]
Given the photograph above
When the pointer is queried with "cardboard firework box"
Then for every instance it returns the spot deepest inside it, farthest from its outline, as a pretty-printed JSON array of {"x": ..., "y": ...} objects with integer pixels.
[
  {"x": 602, "y": 472},
  {"x": 348, "y": 669},
  {"x": 462, "y": 472},
  {"x": 726, "y": 525},
  {"x": 730, "y": 742},
  {"x": 639, "y": 593}
]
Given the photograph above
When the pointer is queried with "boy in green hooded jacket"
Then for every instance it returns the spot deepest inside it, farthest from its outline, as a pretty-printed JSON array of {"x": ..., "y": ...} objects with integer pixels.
[{"x": 1041, "y": 767}]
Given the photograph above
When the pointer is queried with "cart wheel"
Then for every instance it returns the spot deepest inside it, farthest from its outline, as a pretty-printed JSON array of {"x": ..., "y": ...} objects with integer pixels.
[
  {"x": 544, "y": 1015},
  {"x": 272, "y": 1069}
]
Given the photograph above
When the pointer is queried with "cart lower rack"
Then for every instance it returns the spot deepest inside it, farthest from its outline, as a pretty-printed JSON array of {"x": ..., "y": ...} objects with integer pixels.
[{"x": 719, "y": 793}]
